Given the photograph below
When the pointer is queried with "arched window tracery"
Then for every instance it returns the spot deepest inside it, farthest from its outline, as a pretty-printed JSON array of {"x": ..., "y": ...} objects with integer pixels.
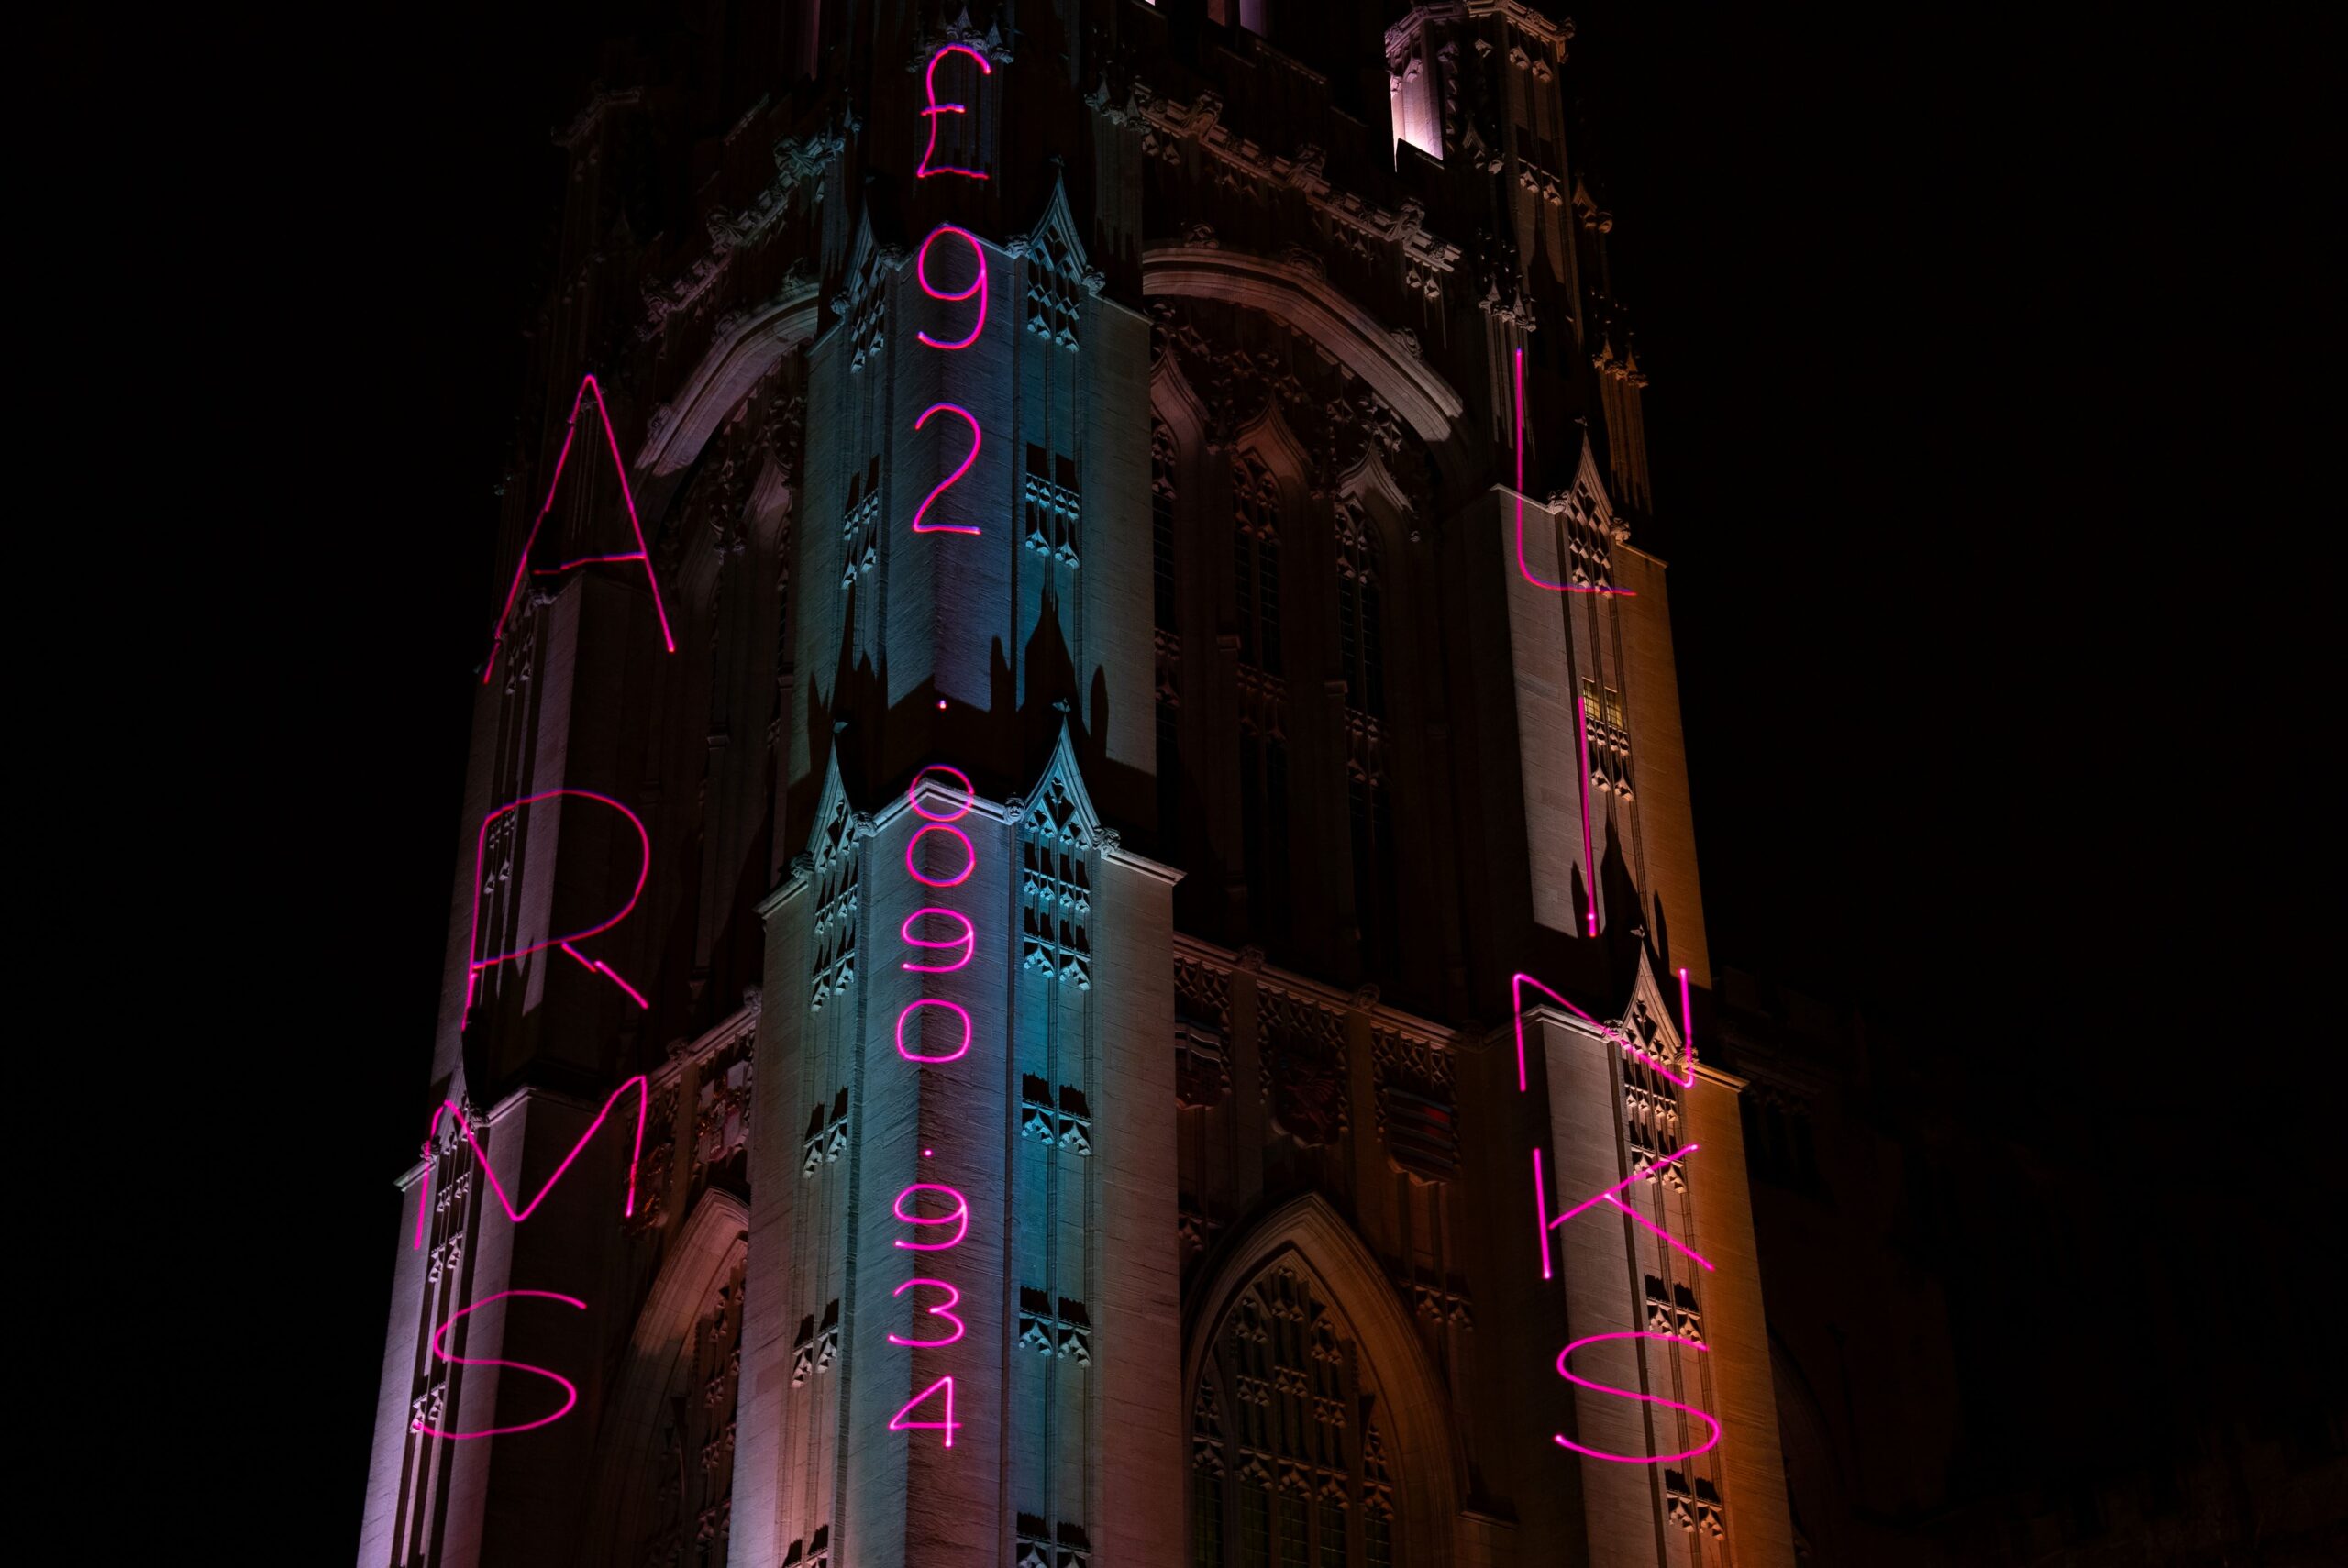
[
  {"x": 1298, "y": 1478},
  {"x": 1256, "y": 559},
  {"x": 1263, "y": 733},
  {"x": 1370, "y": 796},
  {"x": 1360, "y": 609},
  {"x": 1207, "y": 1471},
  {"x": 1161, "y": 525}
]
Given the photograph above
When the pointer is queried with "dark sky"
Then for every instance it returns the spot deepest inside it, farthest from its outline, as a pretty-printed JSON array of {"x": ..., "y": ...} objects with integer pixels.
[{"x": 1982, "y": 426}]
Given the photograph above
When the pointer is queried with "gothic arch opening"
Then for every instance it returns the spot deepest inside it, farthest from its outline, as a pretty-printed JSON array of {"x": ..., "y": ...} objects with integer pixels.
[
  {"x": 1292, "y": 502},
  {"x": 1320, "y": 1434},
  {"x": 664, "y": 1469},
  {"x": 1368, "y": 517},
  {"x": 1305, "y": 299}
]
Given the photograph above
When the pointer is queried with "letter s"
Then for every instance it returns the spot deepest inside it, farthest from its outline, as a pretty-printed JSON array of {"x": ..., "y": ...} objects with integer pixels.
[
  {"x": 1581, "y": 1382},
  {"x": 569, "y": 1391}
]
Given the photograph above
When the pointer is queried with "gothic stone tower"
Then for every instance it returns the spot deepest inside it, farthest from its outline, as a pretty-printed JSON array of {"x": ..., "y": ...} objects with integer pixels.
[{"x": 1077, "y": 838}]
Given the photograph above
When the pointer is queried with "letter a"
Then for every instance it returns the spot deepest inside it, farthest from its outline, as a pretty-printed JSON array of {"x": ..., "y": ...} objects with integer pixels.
[{"x": 522, "y": 568}]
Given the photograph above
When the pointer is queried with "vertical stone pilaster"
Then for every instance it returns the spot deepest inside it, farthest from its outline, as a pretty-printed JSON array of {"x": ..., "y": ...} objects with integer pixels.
[
  {"x": 1736, "y": 1326},
  {"x": 1141, "y": 1461},
  {"x": 1594, "y": 1257}
]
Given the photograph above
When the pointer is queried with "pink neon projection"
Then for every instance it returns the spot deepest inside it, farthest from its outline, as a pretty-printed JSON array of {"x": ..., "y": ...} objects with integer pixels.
[
  {"x": 450, "y": 1107},
  {"x": 522, "y": 566},
  {"x": 1687, "y": 1026},
  {"x": 1541, "y": 1206},
  {"x": 897, "y": 1423},
  {"x": 953, "y": 1299},
  {"x": 481, "y": 865},
  {"x": 961, "y": 949},
  {"x": 929, "y": 82},
  {"x": 1516, "y": 1002},
  {"x": 1520, "y": 566},
  {"x": 569, "y": 1389},
  {"x": 947, "y": 482},
  {"x": 1580, "y": 1382},
  {"x": 957, "y": 1054},
  {"x": 913, "y": 793},
  {"x": 978, "y": 285},
  {"x": 1588, "y": 856},
  {"x": 960, "y": 1218},
  {"x": 969, "y": 851},
  {"x": 608, "y": 973},
  {"x": 968, "y": 941}
]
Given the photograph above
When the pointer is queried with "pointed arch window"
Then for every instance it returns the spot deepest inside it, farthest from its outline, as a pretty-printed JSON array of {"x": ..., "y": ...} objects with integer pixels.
[
  {"x": 682, "y": 1481},
  {"x": 1263, "y": 803},
  {"x": 1056, "y": 889},
  {"x": 1369, "y": 795},
  {"x": 1298, "y": 1478},
  {"x": 860, "y": 523},
  {"x": 1161, "y": 525},
  {"x": 1263, "y": 737},
  {"x": 836, "y": 880},
  {"x": 1054, "y": 274},
  {"x": 1207, "y": 1470},
  {"x": 1361, "y": 628},
  {"x": 1255, "y": 560}
]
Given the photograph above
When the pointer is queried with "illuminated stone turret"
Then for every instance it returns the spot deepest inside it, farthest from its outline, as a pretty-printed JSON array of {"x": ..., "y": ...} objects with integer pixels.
[{"x": 1127, "y": 677}]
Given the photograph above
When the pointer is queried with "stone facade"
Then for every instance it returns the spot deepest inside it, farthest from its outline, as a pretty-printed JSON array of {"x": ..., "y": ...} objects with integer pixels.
[{"x": 1047, "y": 709}]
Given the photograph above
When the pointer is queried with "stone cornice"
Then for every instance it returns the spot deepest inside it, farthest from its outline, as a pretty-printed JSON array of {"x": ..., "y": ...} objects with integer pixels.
[
  {"x": 1382, "y": 1018},
  {"x": 798, "y": 879},
  {"x": 1113, "y": 851},
  {"x": 1728, "y": 1080},
  {"x": 1200, "y": 121},
  {"x": 1552, "y": 36}
]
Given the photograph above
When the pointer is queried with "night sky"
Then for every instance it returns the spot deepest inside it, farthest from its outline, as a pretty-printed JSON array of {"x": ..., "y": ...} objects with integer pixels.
[{"x": 1983, "y": 425}]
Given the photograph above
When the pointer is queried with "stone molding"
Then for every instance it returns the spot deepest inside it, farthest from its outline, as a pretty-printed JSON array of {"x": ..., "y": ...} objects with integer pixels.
[
  {"x": 725, "y": 376},
  {"x": 1406, "y": 383},
  {"x": 1307, "y": 1232}
]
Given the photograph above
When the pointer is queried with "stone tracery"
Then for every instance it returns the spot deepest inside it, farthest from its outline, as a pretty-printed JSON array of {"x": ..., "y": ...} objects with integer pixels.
[{"x": 1297, "y": 1474}]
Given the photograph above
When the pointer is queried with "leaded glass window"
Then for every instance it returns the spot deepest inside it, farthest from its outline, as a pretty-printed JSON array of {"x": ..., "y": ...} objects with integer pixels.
[{"x": 1298, "y": 1478}]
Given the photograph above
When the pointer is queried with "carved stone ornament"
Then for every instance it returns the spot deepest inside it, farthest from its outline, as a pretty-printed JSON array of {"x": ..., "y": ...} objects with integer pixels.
[{"x": 1305, "y": 1068}]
